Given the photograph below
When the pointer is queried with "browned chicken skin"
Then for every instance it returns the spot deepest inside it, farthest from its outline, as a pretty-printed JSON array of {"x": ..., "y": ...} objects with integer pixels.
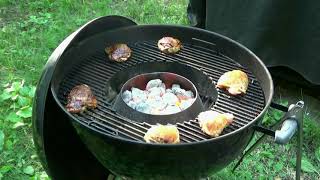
[
  {"x": 80, "y": 98},
  {"x": 235, "y": 82},
  {"x": 164, "y": 134},
  {"x": 213, "y": 123},
  {"x": 118, "y": 52},
  {"x": 169, "y": 45}
]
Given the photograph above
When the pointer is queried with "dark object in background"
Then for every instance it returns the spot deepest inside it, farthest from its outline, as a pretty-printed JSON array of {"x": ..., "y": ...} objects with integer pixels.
[
  {"x": 281, "y": 33},
  {"x": 196, "y": 13}
]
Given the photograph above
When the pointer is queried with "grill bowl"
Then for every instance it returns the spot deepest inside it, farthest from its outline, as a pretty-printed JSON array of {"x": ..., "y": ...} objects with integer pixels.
[{"x": 122, "y": 151}]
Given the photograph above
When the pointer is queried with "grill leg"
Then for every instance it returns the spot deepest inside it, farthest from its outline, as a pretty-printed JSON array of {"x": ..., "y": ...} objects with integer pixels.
[{"x": 299, "y": 147}]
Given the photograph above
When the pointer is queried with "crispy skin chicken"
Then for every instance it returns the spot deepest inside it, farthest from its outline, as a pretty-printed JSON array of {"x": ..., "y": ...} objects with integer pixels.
[
  {"x": 235, "y": 82},
  {"x": 164, "y": 134},
  {"x": 169, "y": 45},
  {"x": 118, "y": 52},
  {"x": 213, "y": 123},
  {"x": 80, "y": 98}
]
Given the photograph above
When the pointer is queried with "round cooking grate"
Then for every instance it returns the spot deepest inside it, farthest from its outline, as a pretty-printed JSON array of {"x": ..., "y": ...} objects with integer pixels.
[{"x": 95, "y": 71}]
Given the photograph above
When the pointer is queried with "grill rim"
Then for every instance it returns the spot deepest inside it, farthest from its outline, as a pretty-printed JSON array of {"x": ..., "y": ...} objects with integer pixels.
[{"x": 247, "y": 126}]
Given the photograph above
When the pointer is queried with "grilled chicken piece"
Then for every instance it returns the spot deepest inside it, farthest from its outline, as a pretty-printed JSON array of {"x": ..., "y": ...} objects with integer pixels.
[
  {"x": 169, "y": 45},
  {"x": 213, "y": 123},
  {"x": 118, "y": 52},
  {"x": 164, "y": 134},
  {"x": 80, "y": 98},
  {"x": 235, "y": 82}
]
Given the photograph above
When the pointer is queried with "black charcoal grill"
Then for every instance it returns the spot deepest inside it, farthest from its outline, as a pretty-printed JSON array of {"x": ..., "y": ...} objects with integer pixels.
[{"x": 113, "y": 142}]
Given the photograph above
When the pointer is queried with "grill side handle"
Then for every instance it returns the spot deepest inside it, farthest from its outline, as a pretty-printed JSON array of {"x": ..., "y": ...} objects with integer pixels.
[
  {"x": 294, "y": 120},
  {"x": 291, "y": 120},
  {"x": 286, "y": 132}
]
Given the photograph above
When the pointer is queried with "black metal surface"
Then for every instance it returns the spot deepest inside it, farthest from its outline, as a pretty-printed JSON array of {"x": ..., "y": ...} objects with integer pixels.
[
  {"x": 149, "y": 161},
  {"x": 264, "y": 130},
  {"x": 140, "y": 82},
  {"x": 47, "y": 115},
  {"x": 118, "y": 142},
  {"x": 67, "y": 156},
  {"x": 279, "y": 107}
]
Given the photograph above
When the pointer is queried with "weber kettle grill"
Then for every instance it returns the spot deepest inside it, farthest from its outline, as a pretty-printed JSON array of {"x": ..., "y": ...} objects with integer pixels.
[{"x": 102, "y": 143}]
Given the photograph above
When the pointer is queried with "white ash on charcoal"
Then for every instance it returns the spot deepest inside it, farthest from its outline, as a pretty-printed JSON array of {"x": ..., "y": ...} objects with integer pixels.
[
  {"x": 138, "y": 95},
  {"x": 175, "y": 88},
  {"x": 132, "y": 104},
  {"x": 169, "y": 91},
  {"x": 156, "y": 103},
  {"x": 143, "y": 107},
  {"x": 171, "y": 110},
  {"x": 158, "y": 100},
  {"x": 126, "y": 96},
  {"x": 170, "y": 98},
  {"x": 184, "y": 104},
  {"x": 155, "y": 92},
  {"x": 189, "y": 94},
  {"x": 155, "y": 83}
]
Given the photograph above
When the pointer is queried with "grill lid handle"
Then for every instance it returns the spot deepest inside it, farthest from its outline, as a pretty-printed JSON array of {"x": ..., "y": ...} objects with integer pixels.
[{"x": 290, "y": 124}]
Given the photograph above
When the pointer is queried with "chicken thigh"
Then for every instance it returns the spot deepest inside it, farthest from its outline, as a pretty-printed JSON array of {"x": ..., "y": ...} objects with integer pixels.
[
  {"x": 80, "y": 98},
  {"x": 169, "y": 45},
  {"x": 213, "y": 123},
  {"x": 235, "y": 82},
  {"x": 118, "y": 52},
  {"x": 164, "y": 134}
]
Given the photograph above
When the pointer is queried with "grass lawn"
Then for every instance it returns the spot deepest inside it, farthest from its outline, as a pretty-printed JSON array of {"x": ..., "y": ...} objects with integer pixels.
[{"x": 29, "y": 32}]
